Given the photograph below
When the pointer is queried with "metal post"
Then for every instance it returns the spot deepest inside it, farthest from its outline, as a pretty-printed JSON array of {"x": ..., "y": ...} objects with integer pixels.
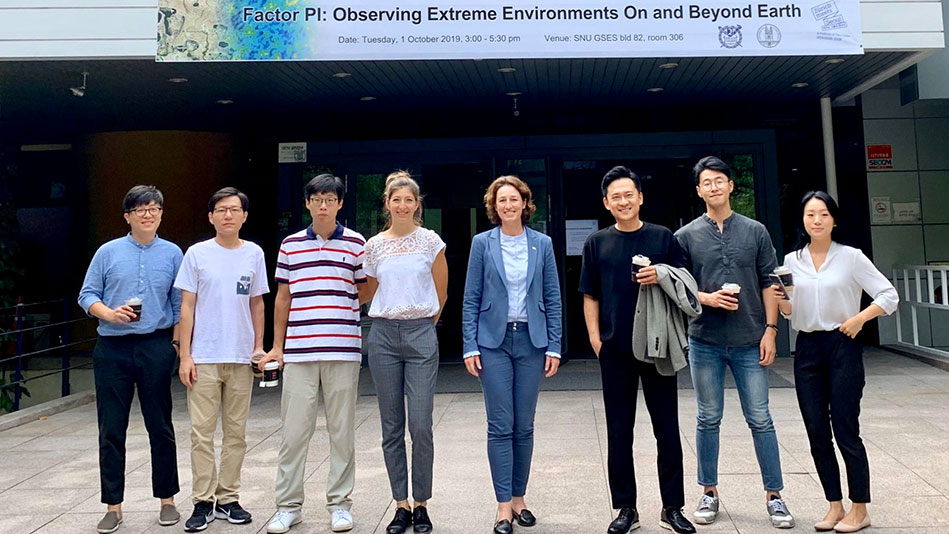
[
  {"x": 830, "y": 159},
  {"x": 18, "y": 369},
  {"x": 63, "y": 342}
]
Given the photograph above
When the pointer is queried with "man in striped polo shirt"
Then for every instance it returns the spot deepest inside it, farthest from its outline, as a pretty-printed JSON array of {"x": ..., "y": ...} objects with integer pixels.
[{"x": 317, "y": 341}]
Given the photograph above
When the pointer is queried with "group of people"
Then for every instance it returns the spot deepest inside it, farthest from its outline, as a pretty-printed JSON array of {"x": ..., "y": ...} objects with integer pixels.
[{"x": 653, "y": 302}]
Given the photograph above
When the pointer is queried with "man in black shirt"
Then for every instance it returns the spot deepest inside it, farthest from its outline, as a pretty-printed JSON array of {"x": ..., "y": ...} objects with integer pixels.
[{"x": 609, "y": 304}]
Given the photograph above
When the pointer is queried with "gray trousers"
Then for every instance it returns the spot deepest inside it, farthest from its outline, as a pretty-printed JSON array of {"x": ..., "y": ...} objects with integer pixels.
[{"x": 403, "y": 359}]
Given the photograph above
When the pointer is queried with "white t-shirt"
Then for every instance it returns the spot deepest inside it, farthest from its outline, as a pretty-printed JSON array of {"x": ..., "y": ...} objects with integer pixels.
[
  {"x": 403, "y": 267},
  {"x": 224, "y": 281}
]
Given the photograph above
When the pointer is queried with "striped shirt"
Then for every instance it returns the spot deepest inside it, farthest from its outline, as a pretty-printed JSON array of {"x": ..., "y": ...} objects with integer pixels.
[{"x": 324, "y": 303}]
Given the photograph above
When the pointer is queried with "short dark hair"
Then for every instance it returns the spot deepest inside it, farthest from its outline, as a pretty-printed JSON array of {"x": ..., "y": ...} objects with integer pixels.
[
  {"x": 617, "y": 173},
  {"x": 710, "y": 163},
  {"x": 324, "y": 183},
  {"x": 142, "y": 195},
  {"x": 225, "y": 192}
]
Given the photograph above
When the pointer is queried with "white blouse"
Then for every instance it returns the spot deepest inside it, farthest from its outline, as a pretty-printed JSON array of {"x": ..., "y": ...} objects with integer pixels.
[
  {"x": 403, "y": 268},
  {"x": 824, "y": 299}
]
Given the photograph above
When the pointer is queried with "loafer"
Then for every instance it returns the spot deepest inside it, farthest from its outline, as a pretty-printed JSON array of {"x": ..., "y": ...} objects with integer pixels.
[
  {"x": 525, "y": 518},
  {"x": 626, "y": 520},
  {"x": 168, "y": 515},
  {"x": 109, "y": 523},
  {"x": 401, "y": 521},
  {"x": 844, "y": 527},
  {"x": 420, "y": 521},
  {"x": 671, "y": 518},
  {"x": 503, "y": 527}
]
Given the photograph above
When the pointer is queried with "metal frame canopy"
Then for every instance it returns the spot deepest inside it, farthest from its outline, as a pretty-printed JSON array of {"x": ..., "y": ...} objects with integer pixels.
[{"x": 268, "y": 30}]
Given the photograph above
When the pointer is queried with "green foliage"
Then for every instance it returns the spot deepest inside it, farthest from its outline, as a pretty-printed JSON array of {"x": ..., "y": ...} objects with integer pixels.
[
  {"x": 743, "y": 174},
  {"x": 6, "y": 396}
]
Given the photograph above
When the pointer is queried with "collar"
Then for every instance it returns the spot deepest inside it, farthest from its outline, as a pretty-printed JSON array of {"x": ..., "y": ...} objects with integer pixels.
[
  {"x": 725, "y": 222},
  {"x": 338, "y": 233},
  {"x": 129, "y": 238}
]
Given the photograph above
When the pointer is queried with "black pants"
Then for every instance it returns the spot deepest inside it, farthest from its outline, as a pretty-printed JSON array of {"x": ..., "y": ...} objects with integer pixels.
[
  {"x": 621, "y": 375},
  {"x": 121, "y": 364},
  {"x": 829, "y": 379}
]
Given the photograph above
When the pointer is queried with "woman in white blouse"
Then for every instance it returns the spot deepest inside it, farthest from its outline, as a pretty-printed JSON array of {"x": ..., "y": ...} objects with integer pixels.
[
  {"x": 408, "y": 275},
  {"x": 829, "y": 279}
]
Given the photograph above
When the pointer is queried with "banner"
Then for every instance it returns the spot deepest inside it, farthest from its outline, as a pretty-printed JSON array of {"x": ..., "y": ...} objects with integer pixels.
[{"x": 250, "y": 30}]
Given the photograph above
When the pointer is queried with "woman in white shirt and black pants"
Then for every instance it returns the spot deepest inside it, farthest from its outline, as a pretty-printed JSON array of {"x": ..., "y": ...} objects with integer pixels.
[
  {"x": 408, "y": 276},
  {"x": 829, "y": 279}
]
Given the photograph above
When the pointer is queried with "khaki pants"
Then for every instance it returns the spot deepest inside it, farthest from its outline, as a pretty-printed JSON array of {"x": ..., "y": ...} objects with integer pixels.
[
  {"x": 301, "y": 387},
  {"x": 221, "y": 388}
]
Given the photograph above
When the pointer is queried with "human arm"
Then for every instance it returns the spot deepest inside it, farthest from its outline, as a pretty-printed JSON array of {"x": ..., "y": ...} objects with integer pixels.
[
  {"x": 281, "y": 315},
  {"x": 553, "y": 309},
  {"x": 257, "y": 319},
  {"x": 471, "y": 306},
  {"x": 872, "y": 281},
  {"x": 187, "y": 372},
  {"x": 591, "y": 314},
  {"x": 440, "y": 276},
  {"x": 767, "y": 348}
]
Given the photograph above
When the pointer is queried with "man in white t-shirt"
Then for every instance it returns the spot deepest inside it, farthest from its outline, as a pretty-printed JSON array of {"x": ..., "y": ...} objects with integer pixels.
[{"x": 222, "y": 282}]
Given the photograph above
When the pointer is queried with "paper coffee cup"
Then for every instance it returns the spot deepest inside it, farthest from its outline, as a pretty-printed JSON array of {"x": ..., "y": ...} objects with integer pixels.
[
  {"x": 271, "y": 377},
  {"x": 136, "y": 304},
  {"x": 639, "y": 261},
  {"x": 258, "y": 373},
  {"x": 732, "y": 288},
  {"x": 787, "y": 280}
]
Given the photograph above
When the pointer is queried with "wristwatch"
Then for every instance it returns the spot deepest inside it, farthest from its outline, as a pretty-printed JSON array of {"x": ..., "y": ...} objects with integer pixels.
[
  {"x": 176, "y": 343},
  {"x": 769, "y": 325}
]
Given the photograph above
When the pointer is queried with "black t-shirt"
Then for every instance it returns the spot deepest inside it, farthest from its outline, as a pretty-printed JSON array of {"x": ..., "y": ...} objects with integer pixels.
[{"x": 607, "y": 274}]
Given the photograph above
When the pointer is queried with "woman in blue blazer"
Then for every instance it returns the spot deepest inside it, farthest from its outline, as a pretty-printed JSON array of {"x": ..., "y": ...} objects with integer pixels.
[{"x": 511, "y": 323}]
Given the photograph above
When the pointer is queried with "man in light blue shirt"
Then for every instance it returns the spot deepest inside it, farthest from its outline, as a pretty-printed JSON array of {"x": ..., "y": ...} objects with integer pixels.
[{"x": 137, "y": 348}]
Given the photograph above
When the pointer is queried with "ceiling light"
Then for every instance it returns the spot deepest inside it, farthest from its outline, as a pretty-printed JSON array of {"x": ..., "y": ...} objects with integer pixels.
[
  {"x": 834, "y": 61},
  {"x": 670, "y": 65},
  {"x": 341, "y": 75},
  {"x": 654, "y": 90},
  {"x": 178, "y": 80},
  {"x": 514, "y": 93},
  {"x": 367, "y": 98},
  {"x": 224, "y": 101},
  {"x": 799, "y": 85},
  {"x": 506, "y": 69}
]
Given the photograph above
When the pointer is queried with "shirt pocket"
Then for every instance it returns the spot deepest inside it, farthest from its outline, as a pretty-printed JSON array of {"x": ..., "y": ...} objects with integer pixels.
[{"x": 161, "y": 277}]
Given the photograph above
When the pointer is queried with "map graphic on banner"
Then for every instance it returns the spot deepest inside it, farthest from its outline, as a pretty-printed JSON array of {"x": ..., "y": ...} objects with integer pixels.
[{"x": 271, "y": 30}]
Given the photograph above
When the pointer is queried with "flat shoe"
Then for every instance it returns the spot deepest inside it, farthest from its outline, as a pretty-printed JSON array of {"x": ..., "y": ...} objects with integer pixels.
[
  {"x": 503, "y": 527},
  {"x": 525, "y": 518},
  {"x": 825, "y": 526},
  {"x": 844, "y": 527}
]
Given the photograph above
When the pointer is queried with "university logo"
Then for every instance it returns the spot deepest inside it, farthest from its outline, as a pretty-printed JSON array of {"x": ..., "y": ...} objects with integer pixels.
[
  {"x": 729, "y": 36},
  {"x": 769, "y": 36}
]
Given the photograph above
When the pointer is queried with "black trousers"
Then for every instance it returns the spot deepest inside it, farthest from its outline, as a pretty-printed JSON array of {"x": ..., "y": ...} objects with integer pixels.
[
  {"x": 829, "y": 379},
  {"x": 621, "y": 376},
  {"x": 121, "y": 364}
]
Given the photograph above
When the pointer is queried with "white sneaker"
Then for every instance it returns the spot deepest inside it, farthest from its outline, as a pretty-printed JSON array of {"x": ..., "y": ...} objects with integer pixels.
[
  {"x": 342, "y": 520},
  {"x": 283, "y": 520}
]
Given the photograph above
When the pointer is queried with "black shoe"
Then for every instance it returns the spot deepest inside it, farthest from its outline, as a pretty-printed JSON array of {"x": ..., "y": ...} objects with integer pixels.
[
  {"x": 202, "y": 515},
  {"x": 628, "y": 519},
  {"x": 672, "y": 519},
  {"x": 401, "y": 521},
  {"x": 420, "y": 521},
  {"x": 503, "y": 527},
  {"x": 233, "y": 512},
  {"x": 525, "y": 518}
]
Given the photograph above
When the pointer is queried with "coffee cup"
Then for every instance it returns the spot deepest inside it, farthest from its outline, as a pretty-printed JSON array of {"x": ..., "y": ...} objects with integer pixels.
[
  {"x": 787, "y": 280},
  {"x": 639, "y": 261},
  {"x": 136, "y": 304},
  {"x": 731, "y": 288},
  {"x": 271, "y": 377},
  {"x": 258, "y": 373}
]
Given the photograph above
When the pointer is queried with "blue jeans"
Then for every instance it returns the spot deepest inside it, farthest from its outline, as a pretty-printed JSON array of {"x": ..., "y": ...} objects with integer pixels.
[
  {"x": 510, "y": 378},
  {"x": 708, "y": 377}
]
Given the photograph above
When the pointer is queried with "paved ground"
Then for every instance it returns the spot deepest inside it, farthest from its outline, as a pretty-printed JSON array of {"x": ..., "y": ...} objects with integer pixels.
[{"x": 49, "y": 475}]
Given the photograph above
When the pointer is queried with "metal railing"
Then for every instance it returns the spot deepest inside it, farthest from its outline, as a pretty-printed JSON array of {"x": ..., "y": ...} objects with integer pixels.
[
  {"x": 921, "y": 287},
  {"x": 23, "y": 334}
]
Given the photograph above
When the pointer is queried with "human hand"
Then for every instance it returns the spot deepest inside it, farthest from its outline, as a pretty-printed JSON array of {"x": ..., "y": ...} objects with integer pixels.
[
  {"x": 767, "y": 348},
  {"x": 852, "y": 326},
  {"x": 721, "y": 299},
  {"x": 187, "y": 371},
  {"x": 777, "y": 293},
  {"x": 473, "y": 364},
  {"x": 122, "y": 314},
  {"x": 551, "y": 366},
  {"x": 275, "y": 355},
  {"x": 647, "y": 276},
  {"x": 597, "y": 344}
]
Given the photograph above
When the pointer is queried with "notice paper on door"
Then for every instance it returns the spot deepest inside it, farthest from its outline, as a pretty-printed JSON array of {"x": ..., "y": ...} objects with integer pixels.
[{"x": 578, "y": 230}]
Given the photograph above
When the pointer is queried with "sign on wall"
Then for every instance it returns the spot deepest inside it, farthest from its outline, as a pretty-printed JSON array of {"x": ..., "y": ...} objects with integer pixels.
[
  {"x": 879, "y": 157},
  {"x": 235, "y": 30}
]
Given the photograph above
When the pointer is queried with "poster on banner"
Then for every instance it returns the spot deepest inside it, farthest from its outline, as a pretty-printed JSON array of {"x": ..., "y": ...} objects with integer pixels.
[
  {"x": 578, "y": 230},
  {"x": 291, "y": 153},
  {"x": 880, "y": 212},
  {"x": 879, "y": 157},
  {"x": 273, "y": 30}
]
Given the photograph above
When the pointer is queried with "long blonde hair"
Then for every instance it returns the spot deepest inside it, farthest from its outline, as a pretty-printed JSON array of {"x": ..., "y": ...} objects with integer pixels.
[{"x": 402, "y": 180}]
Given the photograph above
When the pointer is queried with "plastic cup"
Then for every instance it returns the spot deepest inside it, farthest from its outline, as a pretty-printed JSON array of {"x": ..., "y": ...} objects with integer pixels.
[{"x": 136, "y": 304}]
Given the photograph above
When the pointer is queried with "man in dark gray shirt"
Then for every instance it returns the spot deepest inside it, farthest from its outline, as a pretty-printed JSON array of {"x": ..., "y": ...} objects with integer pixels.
[{"x": 731, "y": 257}]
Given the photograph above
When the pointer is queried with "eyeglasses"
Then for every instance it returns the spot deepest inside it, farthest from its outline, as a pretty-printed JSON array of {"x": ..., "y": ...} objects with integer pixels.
[
  {"x": 327, "y": 201},
  {"x": 153, "y": 211},
  {"x": 235, "y": 210},
  {"x": 720, "y": 183}
]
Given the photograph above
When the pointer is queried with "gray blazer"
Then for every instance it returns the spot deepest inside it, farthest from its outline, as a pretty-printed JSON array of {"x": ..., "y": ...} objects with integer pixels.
[
  {"x": 484, "y": 309},
  {"x": 660, "y": 329}
]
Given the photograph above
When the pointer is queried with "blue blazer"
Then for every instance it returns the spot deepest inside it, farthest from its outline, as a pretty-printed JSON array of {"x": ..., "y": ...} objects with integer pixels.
[{"x": 485, "y": 306}]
